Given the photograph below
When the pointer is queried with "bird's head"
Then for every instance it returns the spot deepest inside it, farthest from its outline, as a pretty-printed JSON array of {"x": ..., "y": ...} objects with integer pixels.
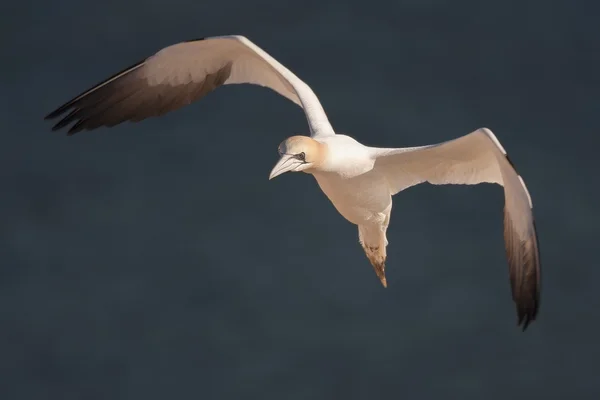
[{"x": 299, "y": 153}]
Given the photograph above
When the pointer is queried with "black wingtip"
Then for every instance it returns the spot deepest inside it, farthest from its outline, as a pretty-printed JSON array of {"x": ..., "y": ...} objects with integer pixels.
[
  {"x": 527, "y": 309},
  {"x": 525, "y": 320},
  {"x": 534, "y": 310},
  {"x": 73, "y": 102},
  {"x": 524, "y": 273},
  {"x": 54, "y": 114}
]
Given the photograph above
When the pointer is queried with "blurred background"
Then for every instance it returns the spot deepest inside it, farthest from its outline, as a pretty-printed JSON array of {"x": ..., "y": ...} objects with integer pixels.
[{"x": 134, "y": 266}]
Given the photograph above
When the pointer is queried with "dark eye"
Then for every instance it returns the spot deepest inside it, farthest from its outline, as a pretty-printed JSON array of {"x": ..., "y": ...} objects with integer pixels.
[{"x": 301, "y": 156}]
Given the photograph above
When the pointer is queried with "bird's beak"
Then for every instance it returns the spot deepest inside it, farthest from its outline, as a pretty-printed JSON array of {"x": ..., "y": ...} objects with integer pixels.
[{"x": 285, "y": 164}]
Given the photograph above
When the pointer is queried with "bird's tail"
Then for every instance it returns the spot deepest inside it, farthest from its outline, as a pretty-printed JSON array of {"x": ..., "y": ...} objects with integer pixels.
[{"x": 374, "y": 242}]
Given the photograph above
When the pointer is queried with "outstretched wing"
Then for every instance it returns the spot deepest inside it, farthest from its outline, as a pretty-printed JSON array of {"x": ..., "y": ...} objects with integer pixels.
[
  {"x": 471, "y": 159},
  {"x": 180, "y": 74}
]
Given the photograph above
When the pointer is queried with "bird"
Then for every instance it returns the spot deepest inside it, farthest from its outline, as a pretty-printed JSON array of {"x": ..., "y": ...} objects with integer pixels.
[{"x": 359, "y": 180}]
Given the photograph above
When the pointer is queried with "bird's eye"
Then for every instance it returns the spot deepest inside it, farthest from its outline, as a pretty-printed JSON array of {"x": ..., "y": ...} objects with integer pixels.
[{"x": 301, "y": 156}]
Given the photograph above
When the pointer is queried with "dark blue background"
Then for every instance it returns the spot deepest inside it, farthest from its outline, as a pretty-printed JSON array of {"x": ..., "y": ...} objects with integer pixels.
[{"x": 156, "y": 261}]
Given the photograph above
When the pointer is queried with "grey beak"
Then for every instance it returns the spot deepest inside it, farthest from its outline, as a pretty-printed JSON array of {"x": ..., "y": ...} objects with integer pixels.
[{"x": 286, "y": 163}]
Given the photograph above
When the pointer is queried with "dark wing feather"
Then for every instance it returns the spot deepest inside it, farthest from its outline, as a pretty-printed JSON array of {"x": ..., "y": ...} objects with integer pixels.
[
  {"x": 131, "y": 96},
  {"x": 523, "y": 257},
  {"x": 69, "y": 104}
]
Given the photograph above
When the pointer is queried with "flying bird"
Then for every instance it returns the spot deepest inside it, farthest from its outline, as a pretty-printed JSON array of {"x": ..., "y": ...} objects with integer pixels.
[{"x": 358, "y": 180}]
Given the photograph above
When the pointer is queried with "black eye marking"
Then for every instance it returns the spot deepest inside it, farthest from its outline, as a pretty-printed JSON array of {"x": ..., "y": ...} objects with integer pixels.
[{"x": 301, "y": 156}]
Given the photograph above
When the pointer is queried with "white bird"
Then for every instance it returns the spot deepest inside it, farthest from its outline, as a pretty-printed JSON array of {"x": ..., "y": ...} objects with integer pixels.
[{"x": 359, "y": 180}]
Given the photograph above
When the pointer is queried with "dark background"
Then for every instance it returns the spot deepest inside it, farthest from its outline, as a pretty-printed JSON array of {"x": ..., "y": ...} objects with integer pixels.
[{"x": 135, "y": 264}]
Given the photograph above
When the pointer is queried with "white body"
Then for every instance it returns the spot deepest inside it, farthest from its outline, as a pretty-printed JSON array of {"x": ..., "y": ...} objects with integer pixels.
[{"x": 358, "y": 191}]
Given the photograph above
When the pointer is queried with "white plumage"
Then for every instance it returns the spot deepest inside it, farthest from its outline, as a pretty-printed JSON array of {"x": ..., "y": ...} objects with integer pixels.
[{"x": 359, "y": 180}]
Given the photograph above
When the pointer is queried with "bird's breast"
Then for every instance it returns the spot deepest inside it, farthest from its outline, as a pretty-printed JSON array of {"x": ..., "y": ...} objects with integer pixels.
[{"x": 359, "y": 199}]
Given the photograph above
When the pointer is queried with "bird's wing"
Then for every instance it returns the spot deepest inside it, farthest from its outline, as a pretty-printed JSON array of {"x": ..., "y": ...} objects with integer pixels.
[
  {"x": 182, "y": 73},
  {"x": 471, "y": 159}
]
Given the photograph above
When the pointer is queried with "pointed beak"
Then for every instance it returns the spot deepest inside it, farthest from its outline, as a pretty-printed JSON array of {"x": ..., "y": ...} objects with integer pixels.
[{"x": 285, "y": 164}]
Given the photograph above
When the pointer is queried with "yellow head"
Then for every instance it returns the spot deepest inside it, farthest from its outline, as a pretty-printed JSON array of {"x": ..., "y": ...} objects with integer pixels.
[{"x": 299, "y": 153}]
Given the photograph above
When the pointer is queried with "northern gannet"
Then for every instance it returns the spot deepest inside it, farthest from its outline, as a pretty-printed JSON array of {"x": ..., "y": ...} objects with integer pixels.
[{"x": 359, "y": 180}]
